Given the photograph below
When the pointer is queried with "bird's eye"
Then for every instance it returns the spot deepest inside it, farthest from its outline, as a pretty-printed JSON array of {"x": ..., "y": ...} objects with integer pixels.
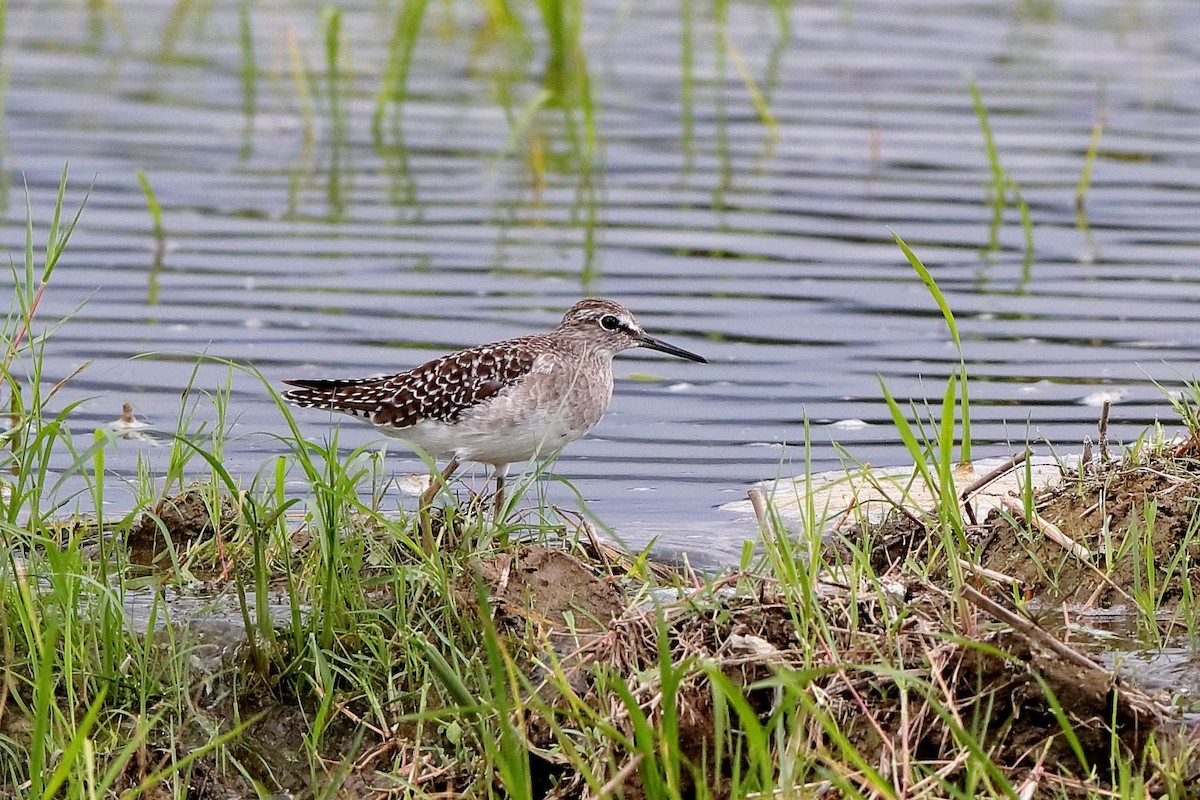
[{"x": 609, "y": 322}]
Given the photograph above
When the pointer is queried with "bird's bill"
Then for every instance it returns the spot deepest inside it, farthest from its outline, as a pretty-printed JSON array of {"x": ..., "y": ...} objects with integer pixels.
[{"x": 645, "y": 340}]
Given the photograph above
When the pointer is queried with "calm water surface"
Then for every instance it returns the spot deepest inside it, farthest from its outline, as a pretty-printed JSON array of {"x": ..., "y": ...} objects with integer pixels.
[{"x": 300, "y": 243}]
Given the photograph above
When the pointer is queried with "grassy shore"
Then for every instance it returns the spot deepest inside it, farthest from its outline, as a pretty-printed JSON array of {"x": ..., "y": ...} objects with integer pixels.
[{"x": 529, "y": 660}]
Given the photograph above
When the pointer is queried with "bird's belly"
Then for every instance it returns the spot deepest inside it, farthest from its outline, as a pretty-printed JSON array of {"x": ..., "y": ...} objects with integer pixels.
[
  {"x": 523, "y": 424},
  {"x": 498, "y": 432},
  {"x": 428, "y": 437},
  {"x": 533, "y": 418},
  {"x": 493, "y": 438},
  {"x": 498, "y": 438}
]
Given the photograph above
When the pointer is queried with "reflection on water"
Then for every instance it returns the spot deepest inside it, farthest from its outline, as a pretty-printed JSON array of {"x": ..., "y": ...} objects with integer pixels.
[{"x": 733, "y": 181}]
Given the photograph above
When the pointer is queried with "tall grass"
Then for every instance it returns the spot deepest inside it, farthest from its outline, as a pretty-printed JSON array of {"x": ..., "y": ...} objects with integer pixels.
[
  {"x": 1085, "y": 183},
  {"x": 68, "y": 650},
  {"x": 5, "y": 77},
  {"x": 160, "y": 237},
  {"x": 338, "y": 109},
  {"x": 1002, "y": 187},
  {"x": 931, "y": 444},
  {"x": 248, "y": 75},
  {"x": 393, "y": 88}
]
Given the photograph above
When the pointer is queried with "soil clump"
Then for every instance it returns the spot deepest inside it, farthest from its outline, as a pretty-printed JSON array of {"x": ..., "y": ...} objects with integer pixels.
[{"x": 1137, "y": 523}]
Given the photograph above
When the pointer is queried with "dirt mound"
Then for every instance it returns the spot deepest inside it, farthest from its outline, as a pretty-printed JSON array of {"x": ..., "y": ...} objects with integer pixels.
[
  {"x": 599, "y": 682},
  {"x": 176, "y": 521},
  {"x": 551, "y": 587},
  {"x": 1135, "y": 526}
]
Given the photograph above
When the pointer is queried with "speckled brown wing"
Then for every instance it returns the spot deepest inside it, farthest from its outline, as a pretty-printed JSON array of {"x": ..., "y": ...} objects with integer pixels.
[{"x": 439, "y": 390}]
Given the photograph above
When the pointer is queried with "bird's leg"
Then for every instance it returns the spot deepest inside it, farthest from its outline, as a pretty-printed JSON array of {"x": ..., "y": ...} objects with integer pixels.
[
  {"x": 501, "y": 475},
  {"x": 436, "y": 482}
]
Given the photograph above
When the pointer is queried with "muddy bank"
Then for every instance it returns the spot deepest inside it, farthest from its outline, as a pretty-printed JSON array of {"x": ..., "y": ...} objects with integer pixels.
[
  {"x": 591, "y": 672},
  {"x": 910, "y": 678},
  {"x": 1131, "y": 531}
]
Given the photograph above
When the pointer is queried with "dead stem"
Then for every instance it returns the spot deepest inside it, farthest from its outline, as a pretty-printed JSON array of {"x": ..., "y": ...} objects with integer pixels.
[
  {"x": 1104, "y": 409},
  {"x": 1048, "y": 529},
  {"x": 983, "y": 480},
  {"x": 1141, "y": 704}
]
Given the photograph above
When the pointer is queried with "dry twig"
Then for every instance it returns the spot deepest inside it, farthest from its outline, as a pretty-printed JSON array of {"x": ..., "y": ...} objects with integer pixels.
[{"x": 1049, "y": 529}]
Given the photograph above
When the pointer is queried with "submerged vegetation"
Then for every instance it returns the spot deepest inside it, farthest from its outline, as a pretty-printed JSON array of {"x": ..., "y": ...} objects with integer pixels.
[{"x": 290, "y": 636}]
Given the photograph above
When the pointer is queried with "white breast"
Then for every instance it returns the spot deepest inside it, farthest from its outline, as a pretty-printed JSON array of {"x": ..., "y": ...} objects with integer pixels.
[{"x": 552, "y": 407}]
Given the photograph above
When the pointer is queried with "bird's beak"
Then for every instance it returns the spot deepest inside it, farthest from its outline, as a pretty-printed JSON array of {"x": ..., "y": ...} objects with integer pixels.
[{"x": 645, "y": 340}]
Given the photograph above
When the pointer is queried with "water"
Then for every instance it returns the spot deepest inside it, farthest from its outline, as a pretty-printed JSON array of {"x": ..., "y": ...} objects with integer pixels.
[
  {"x": 1163, "y": 667},
  {"x": 295, "y": 244}
]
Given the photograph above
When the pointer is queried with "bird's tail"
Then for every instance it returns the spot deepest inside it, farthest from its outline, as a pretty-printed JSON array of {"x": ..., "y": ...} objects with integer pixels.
[{"x": 337, "y": 395}]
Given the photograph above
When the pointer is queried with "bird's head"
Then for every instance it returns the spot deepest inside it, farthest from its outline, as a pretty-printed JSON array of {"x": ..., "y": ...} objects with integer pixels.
[{"x": 610, "y": 328}]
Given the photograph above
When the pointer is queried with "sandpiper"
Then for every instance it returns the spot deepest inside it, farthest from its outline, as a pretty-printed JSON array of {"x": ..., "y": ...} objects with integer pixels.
[{"x": 499, "y": 403}]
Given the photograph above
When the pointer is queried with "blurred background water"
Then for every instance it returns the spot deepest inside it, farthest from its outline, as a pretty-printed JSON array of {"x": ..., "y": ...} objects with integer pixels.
[{"x": 734, "y": 180}]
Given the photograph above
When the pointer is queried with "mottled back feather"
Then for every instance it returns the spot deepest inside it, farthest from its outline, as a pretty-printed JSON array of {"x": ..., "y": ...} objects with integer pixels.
[{"x": 440, "y": 390}]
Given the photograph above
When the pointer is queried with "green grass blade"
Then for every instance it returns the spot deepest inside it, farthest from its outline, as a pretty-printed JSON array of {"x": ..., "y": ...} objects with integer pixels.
[
  {"x": 999, "y": 179},
  {"x": 58, "y": 242},
  {"x": 449, "y": 678},
  {"x": 1089, "y": 163},
  {"x": 1064, "y": 723},
  {"x": 932, "y": 286},
  {"x": 946, "y": 437},
  {"x": 914, "y": 446},
  {"x": 151, "y": 203},
  {"x": 394, "y": 87},
  {"x": 964, "y": 410},
  {"x": 43, "y": 699},
  {"x": 71, "y": 752},
  {"x": 55, "y": 220}
]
